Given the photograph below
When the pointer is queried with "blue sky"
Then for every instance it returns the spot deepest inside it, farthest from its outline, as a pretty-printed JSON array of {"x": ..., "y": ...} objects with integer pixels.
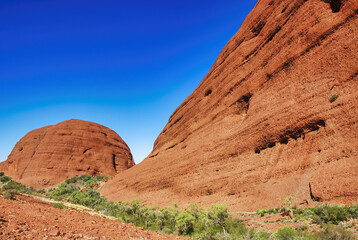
[{"x": 123, "y": 64}]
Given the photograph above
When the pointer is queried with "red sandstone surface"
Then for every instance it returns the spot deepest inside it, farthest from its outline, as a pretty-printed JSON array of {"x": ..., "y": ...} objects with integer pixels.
[
  {"x": 49, "y": 155},
  {"x": 264, "y": 122},
  {"x": 27, "y": 218}
]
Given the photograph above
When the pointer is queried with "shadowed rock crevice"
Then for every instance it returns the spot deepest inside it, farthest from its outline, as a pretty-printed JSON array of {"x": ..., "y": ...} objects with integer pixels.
[
  {"x": 242, "y": 104},
  {"x": 257, "y": 29},
  {"x": 114, "y": 162},
  {"x": 176, "y": 121},
  {"x": 335, "y": 5},
  {"x": 293, "y": 134},
  {"x": 316, "y": 199},
  {"x": 86, "y": 150},
  {"x": 208, "y": 92}
]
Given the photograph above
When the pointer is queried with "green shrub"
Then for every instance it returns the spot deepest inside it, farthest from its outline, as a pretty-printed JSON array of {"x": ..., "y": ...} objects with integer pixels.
[
  {"x": 287, "y": 202},
  {"x": 352, "y": 211},
  {"x": 41, "y": 191},
  {"x": 329, "y": 214},
  {"x": 1, "y": 174},
  {"x": 324, "y": 214},
  {"x": 285, "y": 233},
  {"x": 59, "y": 205},
  {"x": 185, "y": 223},
  {"x": 218, "y": 214},
  {"x": 332, "y": 232},
  {"x": 333, "y": 98},
  {"x": 5, "y": 179},
  {"x": 89, "y": 198},
  {"x": 64, "y": 190},
  {"x": 10, "y": 194}
]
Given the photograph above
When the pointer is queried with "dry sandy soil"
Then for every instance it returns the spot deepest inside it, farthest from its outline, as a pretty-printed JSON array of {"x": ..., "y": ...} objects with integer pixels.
[{"x": 28, "y": 218}]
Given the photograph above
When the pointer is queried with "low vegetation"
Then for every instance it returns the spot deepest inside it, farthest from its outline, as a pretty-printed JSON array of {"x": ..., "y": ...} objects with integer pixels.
[
  {"x": 59, "y": 205},
  {"x": 333, "y": 98},
  {"x": 213, "y": 223}
]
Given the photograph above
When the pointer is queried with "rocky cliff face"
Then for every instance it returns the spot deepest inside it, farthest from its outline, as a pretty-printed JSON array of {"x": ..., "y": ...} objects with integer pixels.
[
  {"x": 277, "y": 115},
  {"x": 51, "y": 154}
]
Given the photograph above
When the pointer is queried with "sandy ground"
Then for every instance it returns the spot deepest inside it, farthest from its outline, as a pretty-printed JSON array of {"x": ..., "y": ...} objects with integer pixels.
[{"x": 28, "y": 218}]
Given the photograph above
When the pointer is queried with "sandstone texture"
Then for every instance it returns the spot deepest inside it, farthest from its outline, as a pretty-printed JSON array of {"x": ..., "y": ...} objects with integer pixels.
[
  {"x": 276, "y": 116},
  {"x": 49, "y": 155}
]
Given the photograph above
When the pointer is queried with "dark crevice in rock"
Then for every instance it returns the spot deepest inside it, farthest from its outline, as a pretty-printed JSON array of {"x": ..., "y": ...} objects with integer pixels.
[
  {"x": 208, "y": 92},
  {"x": 86, "y": 150},
  {"x": 235, "y": 154},
  {"x": 316, "y": 199},
  {"x": 284, "y": 10},
  {"x": 243, "y": 104},
  {"x": 294, "y": 134},
  {"x": 284, "y": 140},
  {"x": 154, "y": 155},
  {"x": 335, "y": 5},
  {"x": 95, "y": 172},
  {"x": 171, "y": 146},
  {"x": 353, "y": 76},
  {"x": 114, "y": 162},
  {"x": 105, "y": 134},
  {"x": 257, "y": 29},
  {"x": 238, "y": 83},
  {"x": 176, "y": 121},
  {"x": 273, "y": 34}
]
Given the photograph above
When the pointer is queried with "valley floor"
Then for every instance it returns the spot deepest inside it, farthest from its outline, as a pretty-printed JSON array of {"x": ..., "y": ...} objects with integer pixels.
[{"x": 29, "y": 218}]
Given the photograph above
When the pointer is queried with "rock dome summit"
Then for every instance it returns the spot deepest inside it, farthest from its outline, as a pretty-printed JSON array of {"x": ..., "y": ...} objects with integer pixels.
[
  {"x": 52, "y": 154},
  {"x": 276, "y": 116}
]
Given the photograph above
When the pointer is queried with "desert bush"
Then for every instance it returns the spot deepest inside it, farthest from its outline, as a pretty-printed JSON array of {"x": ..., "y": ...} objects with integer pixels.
[
  {"x": 333, "y": 98},
  {"x": 329, "y": 214},
  {"x": 287, "y": 202},
  {"x": 64, "y": 190},
  {"x": 185, "y": 223},
  {"x": 41, "y": 191},
  {"x": 59, "y": 205},
  {"x": 10, "y": 194},
  {"x": 285, "y": 233},
  {"x": 332, "y": 232},
  {"x": 2, "y": 174},
  {"x": 325, "y": 214},
  {"x": 5, "y": 179},
  {"x": 218, "y": 214},
  {"x": 89, "y": 198},
  {"x": 214, "y": 223}
]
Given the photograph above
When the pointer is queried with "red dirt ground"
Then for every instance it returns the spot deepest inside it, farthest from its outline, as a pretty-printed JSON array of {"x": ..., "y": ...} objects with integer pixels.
[{"x": 28, "y": 218}]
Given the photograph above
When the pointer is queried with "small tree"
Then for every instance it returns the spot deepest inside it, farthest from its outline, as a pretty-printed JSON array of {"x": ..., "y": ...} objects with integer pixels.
[
  {"x": 185, "y": 223},
  {"x": 218, "y": 214}
]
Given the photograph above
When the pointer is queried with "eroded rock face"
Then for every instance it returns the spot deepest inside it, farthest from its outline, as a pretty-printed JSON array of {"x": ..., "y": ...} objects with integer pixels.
[
  {"x": 263, "y": 124},
  {"x": 49, "y": 155}
]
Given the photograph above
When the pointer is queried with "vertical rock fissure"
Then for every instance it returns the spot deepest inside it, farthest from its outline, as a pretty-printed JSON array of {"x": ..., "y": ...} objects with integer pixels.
[
  {"x": 317, "y": 199},
  {"x": 114, "y": 162}
]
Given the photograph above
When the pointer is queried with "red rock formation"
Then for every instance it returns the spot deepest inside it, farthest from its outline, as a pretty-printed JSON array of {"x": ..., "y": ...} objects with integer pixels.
[
  {"x": 262, "y": 125},
  {"x": 49, "y": 155}
]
